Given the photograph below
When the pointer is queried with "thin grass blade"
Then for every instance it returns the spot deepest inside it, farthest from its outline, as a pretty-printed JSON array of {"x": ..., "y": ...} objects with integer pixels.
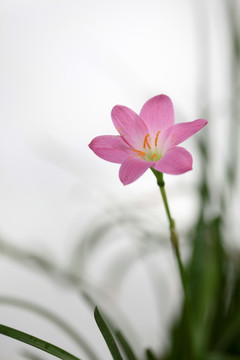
[
  {"x": 37, "y": 343},
  {"x": 130, "y": 355},
  {"x": 55, "y": 319},
  {"x": 107, "y": 335}
]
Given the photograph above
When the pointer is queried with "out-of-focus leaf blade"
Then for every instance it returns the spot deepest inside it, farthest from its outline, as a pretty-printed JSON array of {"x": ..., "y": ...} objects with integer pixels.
[
  {"x": 50, "y": 316},
  {"x": 150, "y": 355},
  {"x": 219, "y": 356},
  {"x": 227, "y": 339},
  {"x": 125, "y": 345},
  {"x": 37, "y": 343},
  {"x": 30, "y": 356},
  {"x": 107, "y": 335},
  {"x": 205, "y": 281},
  {"x": 206, "y": 285}
]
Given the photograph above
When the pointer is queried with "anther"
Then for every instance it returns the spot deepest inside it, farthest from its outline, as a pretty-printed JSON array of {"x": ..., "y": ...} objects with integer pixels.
[
  {"x": 154, "y": 155},
  {"x": 156, "y": 138},
  {"x": 119, "y": 129},
  {"x": 145, "y": 142},
  {"x": 140, "y": 153}
]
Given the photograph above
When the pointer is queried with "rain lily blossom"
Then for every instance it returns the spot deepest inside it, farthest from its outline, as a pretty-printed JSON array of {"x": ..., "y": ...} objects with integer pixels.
[{"x": 147, "y": 140}]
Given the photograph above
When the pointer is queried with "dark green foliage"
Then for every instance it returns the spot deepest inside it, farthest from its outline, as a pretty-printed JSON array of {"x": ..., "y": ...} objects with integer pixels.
[
  {"x": 150, "y": 355},
  {"x": 107, "y": 335},
  {"x": 213, "y": 331}
]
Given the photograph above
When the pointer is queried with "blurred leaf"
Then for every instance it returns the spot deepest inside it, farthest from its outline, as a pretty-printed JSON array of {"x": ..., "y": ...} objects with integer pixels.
[
  {"x": 205, "y": 281},
  {"x": 150, "y": 355},
  {"x": 111, "y": 221},
  {"x": 203, "y": 147},
  {"x": 27, "y": 257},
  {"x": 107, "y": 335},
  {"x": 206, "y": 286},
  {"x": 232, "y": 12},
  {"x": 228, "y": 338},
  {"x": 219, "y": 356},
  {"x": 125, "y": 346},
  {"x": 180, "y": 347},
  {"x": 29, "y": 355},
  {"x": 230, "y": 332},
  {"x": 37, "y": 343},
  {"x": 50, "y": 316},
  {"x": 204, "y": 186}
]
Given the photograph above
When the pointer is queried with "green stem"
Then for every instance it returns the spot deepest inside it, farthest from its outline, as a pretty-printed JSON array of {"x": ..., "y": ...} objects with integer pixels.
[
  {"x": 172, "y": 228},
  {"x": 175, "y": 244},
  {"x": 37, "y": 343}
]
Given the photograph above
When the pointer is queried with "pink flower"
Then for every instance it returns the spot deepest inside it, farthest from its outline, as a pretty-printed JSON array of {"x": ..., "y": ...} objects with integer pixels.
[{"x": 147, "y": 140}]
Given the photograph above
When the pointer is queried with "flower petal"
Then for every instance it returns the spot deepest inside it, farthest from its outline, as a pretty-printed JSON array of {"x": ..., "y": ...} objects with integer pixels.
[
  {"x": 158, "y": 113},
  {"x": 176, "y": 161},
  {"x": 178, "y": 133},
  {"x": 129, "y": 125},
  {"x": 110, "y": 148},
  {"x": 132, "y": 169}
]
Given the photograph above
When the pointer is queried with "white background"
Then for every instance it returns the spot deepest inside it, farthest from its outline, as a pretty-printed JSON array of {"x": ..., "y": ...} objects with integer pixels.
[{"x": 64, "y": 65}]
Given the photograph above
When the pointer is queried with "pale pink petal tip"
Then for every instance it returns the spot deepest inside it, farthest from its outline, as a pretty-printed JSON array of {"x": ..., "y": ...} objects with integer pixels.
[
  {"x": 180, "y": 132},
  {"x": 110, "y": 148},
  {"x": 202, "y": 122}
]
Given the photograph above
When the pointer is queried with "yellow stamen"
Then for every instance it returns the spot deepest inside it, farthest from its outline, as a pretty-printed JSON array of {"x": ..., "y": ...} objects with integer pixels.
[
  {"x": 145, "y": 142},
  {"x": 119, "y": 130},
  {"x": 141, "y": 153},
  {"x": 156, "y": 138},
  {"x": 154, "y": 155}
]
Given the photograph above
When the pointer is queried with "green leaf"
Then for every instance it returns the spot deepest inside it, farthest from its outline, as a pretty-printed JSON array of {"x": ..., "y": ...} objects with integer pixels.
[
  {"x": 55, "y": 319},
  {"x": 107, "y": 335},
  {"x": 150, "y": 355},
  {"x": 220, "y": 356},
  {"x": 37, "y": 343},
  {"x": 206, "y": 284},
  {"x": 205, "y": 280},
  {"x": 227, "y": 338},
  {"x": 125, "y": 346}
]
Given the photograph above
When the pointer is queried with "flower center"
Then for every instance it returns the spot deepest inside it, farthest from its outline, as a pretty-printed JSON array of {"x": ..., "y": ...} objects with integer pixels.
[{"x": 149, "y": 151}]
